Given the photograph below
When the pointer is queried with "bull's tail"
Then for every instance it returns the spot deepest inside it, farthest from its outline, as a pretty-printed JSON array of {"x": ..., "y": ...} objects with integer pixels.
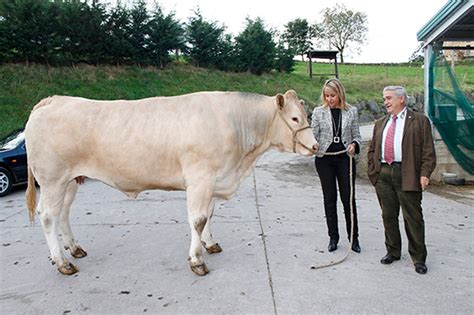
[
  {"x": 31, "y": 189},
  {"x": 31, "y": 196}
]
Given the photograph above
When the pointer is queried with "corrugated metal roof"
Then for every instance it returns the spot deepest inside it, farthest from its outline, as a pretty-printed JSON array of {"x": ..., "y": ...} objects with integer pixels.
[{"x": 448, "y": 10}]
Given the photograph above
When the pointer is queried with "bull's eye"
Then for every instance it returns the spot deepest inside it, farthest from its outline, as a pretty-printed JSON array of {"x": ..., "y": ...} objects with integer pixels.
[{"x": 295, "y": 119}]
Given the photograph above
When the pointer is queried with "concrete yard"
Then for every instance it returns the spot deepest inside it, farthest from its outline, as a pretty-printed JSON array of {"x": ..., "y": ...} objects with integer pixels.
[{"x": 271, "y": 233}]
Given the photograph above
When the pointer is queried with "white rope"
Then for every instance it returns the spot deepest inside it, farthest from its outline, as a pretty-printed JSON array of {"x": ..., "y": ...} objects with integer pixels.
[{"x": 352, "y": 213}]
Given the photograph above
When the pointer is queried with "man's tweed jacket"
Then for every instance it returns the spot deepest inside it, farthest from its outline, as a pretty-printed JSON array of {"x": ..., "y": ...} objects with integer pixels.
[
  {"x": 321, "y": 123},
  {"x": 418, "y": 152}
]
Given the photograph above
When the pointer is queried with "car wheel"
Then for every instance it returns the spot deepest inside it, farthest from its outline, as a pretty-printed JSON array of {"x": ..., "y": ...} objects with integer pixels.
[{"x": 6, "y": 182}]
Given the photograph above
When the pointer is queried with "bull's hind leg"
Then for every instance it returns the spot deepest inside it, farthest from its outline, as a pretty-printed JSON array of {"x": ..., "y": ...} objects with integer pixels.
[
  {"x": 207, "y": 240},
  {"x": 49, "y": 209},
  {"x": 198, "y": 200},
  {"x": 68, "y": 237}
]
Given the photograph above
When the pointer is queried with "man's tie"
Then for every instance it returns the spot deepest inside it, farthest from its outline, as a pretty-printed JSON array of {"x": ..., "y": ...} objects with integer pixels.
[{"x": 389, "y": 154}]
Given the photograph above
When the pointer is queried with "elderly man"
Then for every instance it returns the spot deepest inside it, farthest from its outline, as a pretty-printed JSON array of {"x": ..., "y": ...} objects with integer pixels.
[{"x": 401, "y": 159}]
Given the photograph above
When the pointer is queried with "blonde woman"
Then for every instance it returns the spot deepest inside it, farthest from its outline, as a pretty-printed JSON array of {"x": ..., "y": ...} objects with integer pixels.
[{"x": 336, "y": 127}]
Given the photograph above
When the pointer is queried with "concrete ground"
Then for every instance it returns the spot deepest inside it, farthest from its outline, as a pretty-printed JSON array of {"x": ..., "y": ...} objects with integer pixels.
[{"x": 271, "y": 232}]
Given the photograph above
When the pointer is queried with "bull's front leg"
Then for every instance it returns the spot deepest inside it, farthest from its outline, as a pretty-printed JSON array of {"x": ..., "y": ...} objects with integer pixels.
[
  {"x": 198, "y": 200},
  {"x": 208, "y": 241},
  {"x": 65, "y": 226}
]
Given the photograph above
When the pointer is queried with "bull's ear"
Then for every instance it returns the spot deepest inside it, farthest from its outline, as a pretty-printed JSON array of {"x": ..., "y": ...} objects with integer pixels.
[
  {"x": 280, "y": 100},
  {"x": 302, "y": 103}
]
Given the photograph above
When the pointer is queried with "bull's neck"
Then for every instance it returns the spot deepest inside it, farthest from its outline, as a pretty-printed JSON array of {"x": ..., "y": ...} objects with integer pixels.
[
  {"x": 263, "y": 127},
  {"x": 269, "y": 119},
  {"x": 275, "y": 132}
]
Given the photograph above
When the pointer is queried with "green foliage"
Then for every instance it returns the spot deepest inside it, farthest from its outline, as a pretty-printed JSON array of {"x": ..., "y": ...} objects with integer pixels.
[
  {"x": 166, "y": 34},
  {"x": 298, "y": 34},
  {"x": 118, "y": 43},
  {"x": 255, "y": 48},
  {"x": 207, "y": 43},
  {"x": 21, "y": 86},
  {"x": 417, "y": 55},
  {"x": 284, "y": 61},
  {"x": 227, "y": 55},
  {"x": 138, "y": 32},
  {"x": 28, "y": 28},
  {"x": 342, "y": 27},
  {"x": 69, "y": 32},
  {"x": 51, "y": 32},
  {"x": 80, "y": 35}
]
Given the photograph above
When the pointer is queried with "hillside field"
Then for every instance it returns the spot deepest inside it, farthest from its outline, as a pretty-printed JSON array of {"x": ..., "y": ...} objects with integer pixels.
[{"x": 22, "y": 86}]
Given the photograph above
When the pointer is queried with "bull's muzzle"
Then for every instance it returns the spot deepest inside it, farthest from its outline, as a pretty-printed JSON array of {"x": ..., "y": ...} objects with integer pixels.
[{"x": 296, "y": 141}]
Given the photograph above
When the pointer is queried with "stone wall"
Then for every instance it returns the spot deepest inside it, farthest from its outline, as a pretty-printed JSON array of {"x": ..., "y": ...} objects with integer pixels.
[
  {"x": 370, "y": 111},
  {"x": 446, "y": 162}
]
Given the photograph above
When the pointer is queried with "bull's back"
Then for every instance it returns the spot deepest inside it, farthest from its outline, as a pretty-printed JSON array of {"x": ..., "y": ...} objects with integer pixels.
[
  {"x": 126, "y": 144},
  {"x": 135, "y": 145}
]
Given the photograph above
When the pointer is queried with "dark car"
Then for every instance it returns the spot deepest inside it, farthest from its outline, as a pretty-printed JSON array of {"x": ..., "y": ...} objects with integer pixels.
[{"x": 13, "y": 169}]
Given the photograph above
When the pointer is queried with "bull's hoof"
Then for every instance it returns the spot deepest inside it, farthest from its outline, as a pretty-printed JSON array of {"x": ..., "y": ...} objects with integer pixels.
[
  {"x": 78, "y": 253},
  {"x": 200, "y": 270},
  {"x": 67, "y": 269},
  {"x": 216, "y": 248}
]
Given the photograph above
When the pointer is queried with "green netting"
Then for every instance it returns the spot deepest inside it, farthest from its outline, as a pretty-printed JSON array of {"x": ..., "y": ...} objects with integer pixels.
[{"x": 451, "y": 111}]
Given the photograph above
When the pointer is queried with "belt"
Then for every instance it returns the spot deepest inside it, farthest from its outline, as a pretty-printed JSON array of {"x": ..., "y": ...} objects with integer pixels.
[{"x": 398, "y": 164}]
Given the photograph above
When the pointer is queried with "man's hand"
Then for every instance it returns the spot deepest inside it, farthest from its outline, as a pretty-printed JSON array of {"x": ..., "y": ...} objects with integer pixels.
[{"x": 424, "y": 182}]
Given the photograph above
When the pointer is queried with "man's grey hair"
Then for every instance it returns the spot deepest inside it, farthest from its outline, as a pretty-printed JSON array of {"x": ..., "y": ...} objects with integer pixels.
[{"x": 399, "y": 91}]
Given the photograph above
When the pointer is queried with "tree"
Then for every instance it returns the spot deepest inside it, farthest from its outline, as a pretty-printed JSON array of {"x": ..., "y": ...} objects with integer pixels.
[
  {"x": 417, "y": 55},
  {"x": 81, "y": 33},
  {"x": 30, "y": 29},
  {"x": 205, "y": 39},
  {"x": 284, "y": 61},
  {"x": 139, "y": 30},
  {"x": 117, "y": 41},
  {"x": 341, "y": 27},
  {"x": 166, "y": 34},
  {"x": 298, "y": 34},
  {"x": 256, "y": 49},
  {"x": 226, "y": 54}
]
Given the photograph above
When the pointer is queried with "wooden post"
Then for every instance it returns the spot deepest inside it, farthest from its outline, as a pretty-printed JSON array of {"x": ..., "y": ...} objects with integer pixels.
[
  {"x": 310, "y": 66},
  {"x": 453, "y": 57}
]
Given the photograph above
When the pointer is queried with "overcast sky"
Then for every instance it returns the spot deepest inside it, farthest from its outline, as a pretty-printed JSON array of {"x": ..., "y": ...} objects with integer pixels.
[{"x": 392, "y": 24}]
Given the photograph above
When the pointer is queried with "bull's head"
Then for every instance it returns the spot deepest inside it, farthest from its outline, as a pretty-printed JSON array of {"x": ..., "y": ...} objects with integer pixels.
[{"x": 294, "y": 133}]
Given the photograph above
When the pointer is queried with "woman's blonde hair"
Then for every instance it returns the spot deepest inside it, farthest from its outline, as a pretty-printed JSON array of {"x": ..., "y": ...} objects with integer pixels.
[{"x": 336, "y": 86}]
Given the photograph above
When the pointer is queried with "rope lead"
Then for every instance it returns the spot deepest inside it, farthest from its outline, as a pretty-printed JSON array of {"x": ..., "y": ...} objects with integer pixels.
[{"x": 352, "y": 214}]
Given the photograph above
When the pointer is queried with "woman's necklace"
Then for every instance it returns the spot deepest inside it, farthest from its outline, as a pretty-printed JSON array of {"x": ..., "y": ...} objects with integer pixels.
[{"x": 336, "y": 138}]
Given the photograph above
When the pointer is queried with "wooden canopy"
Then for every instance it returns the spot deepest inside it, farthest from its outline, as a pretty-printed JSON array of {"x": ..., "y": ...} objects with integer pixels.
[{"x": 322, "y": 54}]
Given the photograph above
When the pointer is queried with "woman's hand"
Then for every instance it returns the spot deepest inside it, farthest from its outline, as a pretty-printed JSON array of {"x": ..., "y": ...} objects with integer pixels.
[{"x": 351, "y": 149}]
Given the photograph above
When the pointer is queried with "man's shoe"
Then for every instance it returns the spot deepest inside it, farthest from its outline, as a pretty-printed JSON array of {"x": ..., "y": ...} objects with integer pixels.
[
  {"x": 355, "y": 247},
  {"x": 421, "y": 268},
  {"x": 388, "y": 259},
  {"x": 332, "y": 245}
]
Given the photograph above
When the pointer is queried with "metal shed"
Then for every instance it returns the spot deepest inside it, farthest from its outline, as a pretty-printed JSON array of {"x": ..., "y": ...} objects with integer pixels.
[{"x": 454, "y": 22}]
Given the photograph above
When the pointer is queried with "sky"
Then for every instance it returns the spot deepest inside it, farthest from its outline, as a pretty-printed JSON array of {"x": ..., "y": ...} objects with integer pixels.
[{"x": 392, "y": 24}]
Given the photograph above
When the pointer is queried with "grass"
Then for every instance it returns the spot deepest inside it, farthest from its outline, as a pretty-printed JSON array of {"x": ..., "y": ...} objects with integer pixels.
[{"x": 22, "y": 86}]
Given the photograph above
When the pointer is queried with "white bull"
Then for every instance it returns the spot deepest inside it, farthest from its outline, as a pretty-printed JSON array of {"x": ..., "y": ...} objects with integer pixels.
[{"x": 204, "y": 143}]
